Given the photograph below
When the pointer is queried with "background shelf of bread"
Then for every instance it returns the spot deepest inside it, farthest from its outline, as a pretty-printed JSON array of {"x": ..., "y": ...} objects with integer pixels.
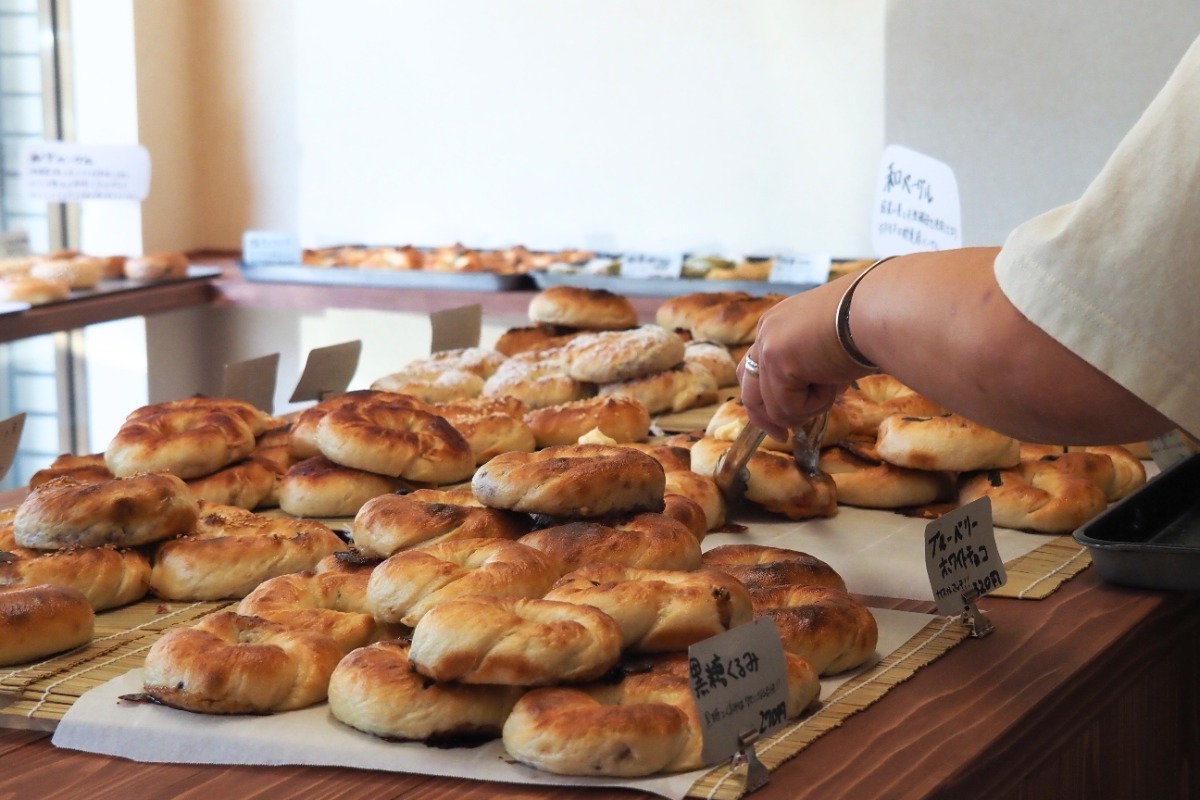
[
  {"x": 518, "y": 548},
  {"x": 53, "y": 277}
]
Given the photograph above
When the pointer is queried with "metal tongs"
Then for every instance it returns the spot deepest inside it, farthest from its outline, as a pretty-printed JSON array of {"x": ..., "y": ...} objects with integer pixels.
[{"x": 731, "y": 474}]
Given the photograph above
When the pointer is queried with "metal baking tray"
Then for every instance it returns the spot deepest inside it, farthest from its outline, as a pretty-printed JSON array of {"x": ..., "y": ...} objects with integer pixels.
[
  {"x": 1151, "y": 539},
  {"x": 386, "y": 279},
  {"x": 115, "y": 286},
  {"x": 663, "y": 287}
]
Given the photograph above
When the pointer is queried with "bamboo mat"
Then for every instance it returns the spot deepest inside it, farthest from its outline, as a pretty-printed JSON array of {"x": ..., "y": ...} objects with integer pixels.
[
  {"x": 934, "y": 640},
  {"x": 1040, "y": 573},
  {"x": 38, "y": 695}
]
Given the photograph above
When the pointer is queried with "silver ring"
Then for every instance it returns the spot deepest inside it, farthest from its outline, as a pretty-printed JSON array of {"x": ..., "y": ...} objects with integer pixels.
[{"x": 751, "y": 366}]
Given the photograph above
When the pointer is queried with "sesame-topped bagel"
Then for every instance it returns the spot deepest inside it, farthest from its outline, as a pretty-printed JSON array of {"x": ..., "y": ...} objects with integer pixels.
[
  {"x": 188, "y": 440},
  {"x": 732, "y": 322},
  {"x": 85, "y": 469},
  {"x": 580, "y": 480},
  {"x": 538, "y": 379},
  {"x": 622, "y": 419},
  {"x": 678, "y": 313},
  {"x": 646, "y": 540},
  {"x": 577, "y": 307},
  {"x": 611, "y": 356},
  {"x": 396, "y": 439},
  {"x": 123, "y": 512},
  {"x": 1036, "y": 496},
  {"x": 658, "y": 610},
  {"x": 404, "y": 587},
  {"x": 758, "y": 566},
  {"x": 514, "y": 641},
  {"x": 80, "y": 272},
  {"x": 775, "y": 481},
  {"x": 947, "y": 442},
  {"x": 871, "y": 398},
  {"x": 390, "y": 523},
  {"x": 825, "y": 626}
]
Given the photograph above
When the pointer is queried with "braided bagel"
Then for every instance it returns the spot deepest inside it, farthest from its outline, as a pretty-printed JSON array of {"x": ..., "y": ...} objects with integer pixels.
[
  {"x": 620, "y": 418},
  {"x": 441, "y": 387},
  {"x": 577, "y": 307},
  {"x": 825, "y": 626},
  {"x": 647, "y": 541},
  {"x": 38, "y": 621},
  {"x": 1115, "y": 469},
  {"x": 687, "y": 512},
  {"x": 405, "y": 586},
  {"x": 775, "y": 481},
  {"x": 533, "y": 337},
  {"x": 947, "y": 443},
  {"x": 1035, "y": 496},
  {"x": 317, "y": 487},
  {"x": 701, "y": 490},
  {"x": 870, "y": 399},
  {"x": 390, "y": 523},
  {"x": 514, "y": 642},
  {"x": 759, "y": 566},
  {"x": 188, "y": 442},
  {"x": 302, "y": 438},
  {"x": 256, "y": 420},
  {"x": 673, "y": 458},
  {"x": 233, "y": 664},
  {"x": 582, "y": 480}
]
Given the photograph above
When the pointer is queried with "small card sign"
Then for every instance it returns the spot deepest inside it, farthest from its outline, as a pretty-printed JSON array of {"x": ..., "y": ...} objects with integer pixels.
[
  {"x": 10, "y": 438},
  {"x": 961, "y": 554},
  {"x": 14, "y": 244},
  {"x": 456, "y": 328},
  {"x": 327, "y": 371},
  {"x": 739, "y": 683},
  {"x": 916, "y": 204},
  {"x": 270, "y": 248},
  {"x": 1170, "y": 448},
  {"x": 651, "y": 265},
  {"x": 804, "y": 268},
  {"x": 253, "y": 380},
  {"x": 64, "y": 172}
]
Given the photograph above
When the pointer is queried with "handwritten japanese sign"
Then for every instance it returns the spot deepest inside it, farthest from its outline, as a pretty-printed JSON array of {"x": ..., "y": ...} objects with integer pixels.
[
  {"x": 651, "y": 265},
  {"x": 739, "y": 683},
  {"x": 10, "y": 436},
  {"x": 961, "y": 554},
  {"x": 267, "y": 248},
  {"x": 1170, "y": 448},
  {"x": 801, "y": 268},
  {"x": 916, "y": 204},
  {"x": 63, "y": 172}
]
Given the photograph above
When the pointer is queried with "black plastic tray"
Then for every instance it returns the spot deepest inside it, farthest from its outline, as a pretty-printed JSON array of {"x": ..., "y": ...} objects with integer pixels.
[
  {"x": 1151, "y": 539},
  {"x": 387, "y": 279}
]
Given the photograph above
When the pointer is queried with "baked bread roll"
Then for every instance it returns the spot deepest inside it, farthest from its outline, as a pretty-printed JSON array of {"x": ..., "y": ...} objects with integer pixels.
[
  {"x": 870, "y": 399},
  {"x": 871, "y": 483},
  {"x": 22, "y": 288},
  {"x": 646, "y": 541},
  {"x": 80, "y": 272},
  {"x": 577, "y": 307},
  {"x": 731, "y": 417},
  {"x": 185, "y": 441},
  {"x": 948, "y": 443},
  {"x": 1115, "y": 469},
  {"x": 514, "y": 642},
  {"x": 611, "y": 356},
  {"x": 407, "y": 585},
  {"x": 701, "y": 490},
  {"x": 375, "y": 690},
  {"x": 775, "y": 481},
  {"x": 716, "y": 359},
  {"x": 1035, "y": 496},
  {"x": 825, "y": 626},
  {"x": 759, "y": 566},
  {"x": 491, "y": 425},
  {"x": 622, "y": 419},
  {"x": 678, "y": 313},
  {"x": 302, "y": 437},
  {"x": 255, "y": 419},
  {"x": 690, "y": 385},
  {"x": 85, "y": 469},
  {"x": 390, "y": 523},
  {"x": 687, "y": 512},
  {"x": 248, "y": 484},
  {"x": 672, "y": 457},
  {"x": 232, "y": 664},
  {"x": 123, "y": 512},
  {"x": 38, "y": 621},
  {"x": 733, "y": 322},
  {"x": 582, "y": 480},
  {"x": 659, "y": 611},
  {"x": 317, "y": 487},
  {"x": 166, "y": 266},
  {"x": 533, "y": 337},
  {"x": 537, "y": 379}
]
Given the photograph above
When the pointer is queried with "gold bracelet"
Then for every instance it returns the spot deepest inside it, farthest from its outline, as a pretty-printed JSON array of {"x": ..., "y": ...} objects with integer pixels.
[{"x": 842, "y": 321}]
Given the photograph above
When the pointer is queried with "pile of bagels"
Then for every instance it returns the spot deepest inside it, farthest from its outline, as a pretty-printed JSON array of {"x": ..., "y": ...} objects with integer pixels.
[
  {"x": 456, "y": 257},
  {"x": 523, "y": 557},
  {"x": 51, "y": 277}
]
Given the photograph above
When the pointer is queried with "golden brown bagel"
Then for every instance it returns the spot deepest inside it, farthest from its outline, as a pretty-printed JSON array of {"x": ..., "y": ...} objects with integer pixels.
[
  {"x": 390, "y": 523},
  {"x": 317, "y": 487},
  {"x": 870, "y": 399},
  {"x": 947, "y": 443},
  {"x": 775, "y": 481},
  {"x": 733, "y": 322},
  {"x": 611, "y": 356},
  {"x": 302, "y": 438},
  {"x": 248, "y": 484},
  {"x": 1035, "y": 496},
  {"x": 538, "y": 379},
  {"x": 157, "y": 267},
  {"x": 871, "y": 483},
  {"x": 577, "y": 307},
  {"x": 646, "y": 540},
  {"x": 188, "y": 442},
  {"x": 689, "y": 385},
  {"x": 620, "y": 418},
  {"x": 38, "y": 621},
  {"x": 678, "y": 313},
  {"x": 22, "y": 288},
  {"x": 85, "y": 469},
  {"x": 825, "y": 626},
  {"x": 758, "y": 566}
]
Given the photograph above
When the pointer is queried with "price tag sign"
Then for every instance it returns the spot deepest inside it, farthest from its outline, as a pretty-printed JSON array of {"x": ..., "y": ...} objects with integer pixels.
[
  {"x": 253, "y": 381},
  {"x": 456, "y": 328},
  {"x": 327, "y": 371},
  {"x": 804, "y": 268},
  {"x": 916, "y": 204},
  {"x": 1170, "y": 448},
  {"x": 14, "y": 244},
  {"x": 739, "y": 683},
  {"x": 10, "y": 437},
  {"x": 961, "y": 554},
  {"x": 63, "y": 172},
  {"x": 651, "y": 265},
  {"x": 270, "y": 248}
]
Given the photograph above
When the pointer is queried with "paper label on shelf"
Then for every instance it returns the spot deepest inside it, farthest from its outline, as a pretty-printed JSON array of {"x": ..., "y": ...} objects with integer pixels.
[
  {"x": 739, "y": 682},
  {"x": 651, "y": 265},
  {"x": 456, "y": 328},
  {"x": 961, "y": 554},
  {"x": 64, "y": 172},
  {"x": 10, "y": 438},
  {"x": 916, "y": 204},
  {"x": 14, "y": 244},
  {"x": 253, "y": 381},
  {"x": 801, "y": 268},
  {"x": 327, "y": 371},
  {"x": 270, "y": 248},
  {"x": 1170, "y": 448}
]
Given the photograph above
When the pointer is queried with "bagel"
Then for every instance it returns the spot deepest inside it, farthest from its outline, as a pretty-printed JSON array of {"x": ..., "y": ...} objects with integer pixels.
[
  {"x": 678, "y": 313},
  {"x": 577, "y": 307},
  {"x": 85, "y": 469},
  {"x": 532, "y": 338},
  {"x": 775, "y": 481},
  {"x": 759, "y": 566},
  {"x": 646, "y": 541},
  {"x": 157, "y": 267},
  {"x": 673, "y": 458},
  {"x": 395, "y": 439},
  {"x": 731, "y": 417},
  {"x": 658, "y": 610},
  {"x": 80, "y": 272},
  {"x": 38, "y": 621},
  {"x": 716, "y": 359},
  {"x": 375, "y": 690},
  {"x": 112, "y": 267},
  {"x": 687, "y": 512},
  {"x": 1035, "y": 496},
  {"x": 476, "y": 360},
  {"x": 514, "y": 642},
  {"x": 583, "y": 480},
  {"x": 538, "y": 379},
  {"x": 491, "y": 425},
  {"x": 701, "y": 490},
  {"x": 248, "y": 484},
  {"x": 302, "y": 438},
  {"x": 689, "y": 385},
  {"x": 823, "y": 625},
  {"x": 22, "y": 288},
  {"x": 255, "y": 419},
  {"x": 186, "y": 442},
  {"x": 390, "y": 523},
  {"x": 446, "y": 386},
  {"x": 871, "y": 483},
  {"x": 642, "y": 724},
  {"x": 1115, "y": 469},
  {"x": 317, "y": 487},
  {"x": 947, "y": 442},
  {"x": 123, "y": 512},
  {"x": 867, "y": 401},
  {"x": 233, "y": 550},
  {"x": 732, "y": 322},
  {"x": 228, "y": 663},
  {"x": 405, "y": 586},
  {"x": 620, "y": 418},
  {"x": 611, "y": 356}
]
